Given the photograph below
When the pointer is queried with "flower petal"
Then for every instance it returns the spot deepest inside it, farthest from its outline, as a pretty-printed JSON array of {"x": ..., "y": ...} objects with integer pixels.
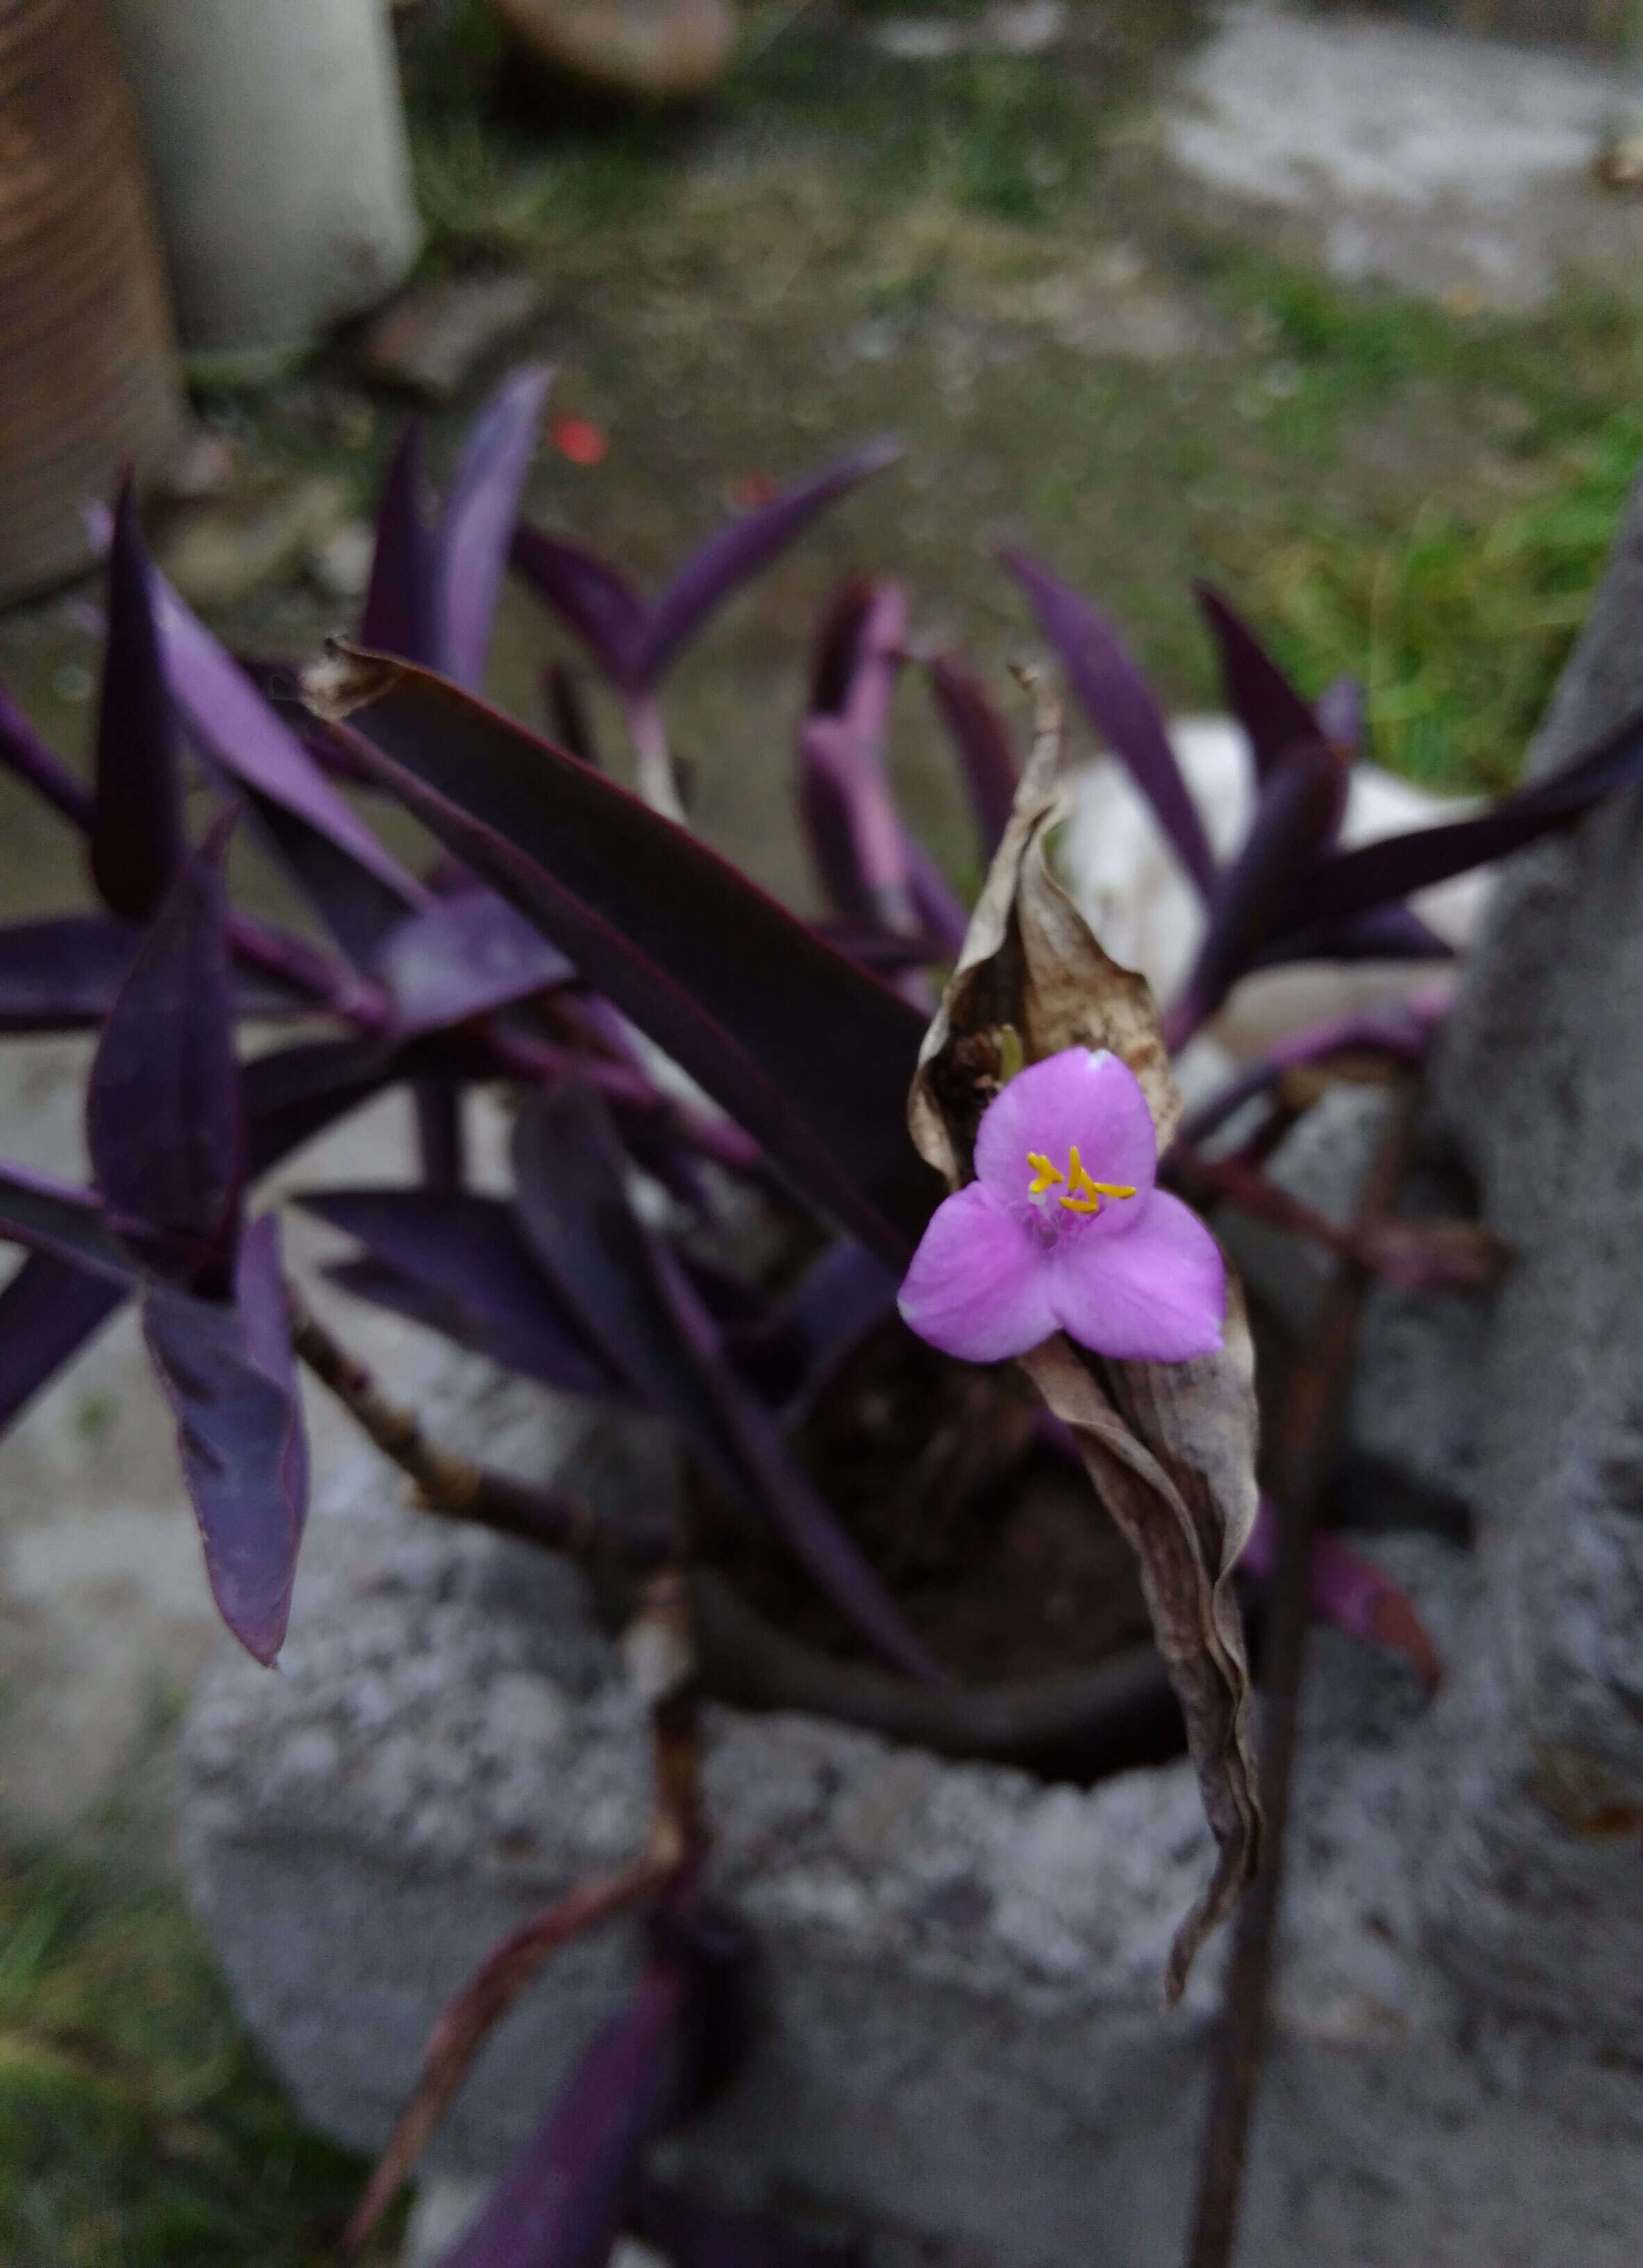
[
  {"x": 1158, "y": 1294},
  {"x": 979, "y": 1284},
  {"x": 1079, "y": 1096}
]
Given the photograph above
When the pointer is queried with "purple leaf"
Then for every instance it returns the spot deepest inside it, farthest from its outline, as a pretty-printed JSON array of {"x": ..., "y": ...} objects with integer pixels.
[
  {"x": 476, "y": 528},
  {"x": 933, "y": 901},
  {"x": 1299, "y": 810},
  {"x": 463, "y": 1261},
  {"x": 1342, "y": 711},
  {"x": 235, "y": 1435},
  {"x": 605, "y": 612},
  {"x": 837, "y": 644},
  {"x": 561, "y": 2202},
  {"x": 811, "y": 1056},
  {"x": 1260, "y": 696},
  {"x": 137, "y": 839},
  {"x": 57, "y": 1218},
  {"x": 648, "y": 1321},
  {"x": 463, "y": 957},
  {"x": 243, "y": 736},
  {"x": 854, "y": 828},
  {"x": 977, "y": 733},
  {"x": 1389, "y": 933},
  {"x": 1356, "y": 881},
  {"x": 48, "y": 1312},
  {"x": 22, "y": 751},
  {"x": 841, "y": 1299},
  {"x": 265, "y": 1319},
  {"x": 1121, "y": 707},
  {"x": 162, "y": 1102},
  {"x": 358, "y": 907},
  {"x": 736, "y": 553},
  {"x": 692, "y": 2233},
  {"x": 63, "y": 976},
  {"x": 399, "y": 613},
  {"x": 886, "y": 951}
]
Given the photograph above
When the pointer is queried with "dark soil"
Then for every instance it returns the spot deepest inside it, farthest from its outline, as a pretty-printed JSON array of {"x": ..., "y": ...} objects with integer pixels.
[{"x": 996, "y": 1546}]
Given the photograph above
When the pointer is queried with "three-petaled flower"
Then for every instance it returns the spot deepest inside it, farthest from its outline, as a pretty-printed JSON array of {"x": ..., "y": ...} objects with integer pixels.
[{"x": 1062, "y": 1229}]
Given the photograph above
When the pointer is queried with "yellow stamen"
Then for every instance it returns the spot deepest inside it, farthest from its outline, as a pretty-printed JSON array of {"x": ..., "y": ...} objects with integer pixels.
[
  {"x": 1083, "y": 1194},
  {"x": 1045, "y": 1171}
]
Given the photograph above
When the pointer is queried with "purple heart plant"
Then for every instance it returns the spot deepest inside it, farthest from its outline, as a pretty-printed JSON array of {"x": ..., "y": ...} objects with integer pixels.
[{"x": 570, "y": 936}]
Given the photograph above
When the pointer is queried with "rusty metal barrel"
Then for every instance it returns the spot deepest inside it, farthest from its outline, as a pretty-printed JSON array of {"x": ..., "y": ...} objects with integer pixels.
[{"x": 88, "y": 367}]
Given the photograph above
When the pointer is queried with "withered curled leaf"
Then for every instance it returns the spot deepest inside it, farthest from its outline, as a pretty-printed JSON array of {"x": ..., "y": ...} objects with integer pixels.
[{"x": 1170, "y": 1447}]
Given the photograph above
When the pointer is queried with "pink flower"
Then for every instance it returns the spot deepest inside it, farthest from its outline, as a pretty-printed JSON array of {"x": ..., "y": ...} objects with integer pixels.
[{"x": 1062, "y": 1229}]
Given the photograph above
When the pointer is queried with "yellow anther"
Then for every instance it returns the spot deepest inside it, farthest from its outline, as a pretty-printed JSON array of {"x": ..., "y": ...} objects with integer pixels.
[
  {"x": 1046, "y": 1174},
  {"x": 1083, "y": 1194}
]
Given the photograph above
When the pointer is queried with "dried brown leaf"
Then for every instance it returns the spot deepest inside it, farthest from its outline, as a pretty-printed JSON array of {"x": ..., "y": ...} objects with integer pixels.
[{"x": 1169, "y": 1446}]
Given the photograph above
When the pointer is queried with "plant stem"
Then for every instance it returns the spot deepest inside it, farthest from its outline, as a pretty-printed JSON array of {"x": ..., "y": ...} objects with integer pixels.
[
  {"x": 451, "y": 1484},
  {"x": 1311, "y": 1423},
  {"x": 657, "y": 782}
]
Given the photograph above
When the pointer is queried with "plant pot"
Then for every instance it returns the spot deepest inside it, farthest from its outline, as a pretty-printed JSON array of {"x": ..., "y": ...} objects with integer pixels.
[
  {"x": 277, "y": 145},
  {"x": 91, "y": 379}
]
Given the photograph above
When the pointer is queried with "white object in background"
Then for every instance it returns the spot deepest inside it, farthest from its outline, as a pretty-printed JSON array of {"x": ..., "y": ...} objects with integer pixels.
[
  {"x": 1134, "y": 895},
  {"x": 277, "y": 143}
]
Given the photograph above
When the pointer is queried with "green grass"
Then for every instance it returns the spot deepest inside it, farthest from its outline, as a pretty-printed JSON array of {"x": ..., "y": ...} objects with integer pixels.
[
  {"x": 138, "y": 2127},
  {"x": 1457, "y": 616}
]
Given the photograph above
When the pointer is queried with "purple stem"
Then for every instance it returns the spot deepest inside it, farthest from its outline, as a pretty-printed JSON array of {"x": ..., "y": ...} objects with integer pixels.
[
  {"x": 1403, "y": 1029},
  {"x": 28, "y": 756}
]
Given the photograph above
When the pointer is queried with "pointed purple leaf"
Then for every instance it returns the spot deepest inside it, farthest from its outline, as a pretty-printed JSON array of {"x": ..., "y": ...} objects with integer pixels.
[
  {"x": 1390, "y": 933},
  {"x": 650, "y": 1321},
  {"x": 692, "y": 2232},
  {"x": 735, "y": 554},
  {"x": 359, "y": 908},
  {"x": 242, "y": 735},
  {"x": 591, "y": 598},
  {"x": 561, "y": 2202},
  {"x": 464, "y": 1258},
  {"x": 265, "y": 1320},
  {"x": 837, "y": 644},
  {"x": 791, "y": 1357},
  {"x": 399, "y": 613},
  {"x": 943, "y": 917},
  {"x": 808, "y": 1053},
  {"x": 235, "y": 1435},
  {"x": 476, "y": 528},
  {"x": 1298, "y": 810},
  {"x": 463, "y": 957},
  {"x": 978, "y": 731},
  {"x": 854, "y": 828},
  {"x": 1357, "y": 881},
  {"x": 64, "y": 1221},
  {"x": 1343, "y": 711},
  {"x": 1121, "y": 707},
  {"x": 63, "y": 975},
  {"x": 137, "y": 840},
  {"x": 48, "y": 1312},
  {"x": 162, "y": 1102},
  {"x": 1274, "y": 715},
  {"x": 22, "y": 751}
]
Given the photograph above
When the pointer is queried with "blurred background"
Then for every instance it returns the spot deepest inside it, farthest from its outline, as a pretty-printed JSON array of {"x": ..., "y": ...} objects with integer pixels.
[{"x": 1342, "y": 308}]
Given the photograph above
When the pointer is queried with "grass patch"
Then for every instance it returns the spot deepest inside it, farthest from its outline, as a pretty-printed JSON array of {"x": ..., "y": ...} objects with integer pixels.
[
  {"x": 138, "y": 2128},
  {"x": 1457, "y": 615}
]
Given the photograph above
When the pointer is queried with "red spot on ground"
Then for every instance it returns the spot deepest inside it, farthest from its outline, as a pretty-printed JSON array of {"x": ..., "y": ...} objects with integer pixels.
[
  {"x": 578, "y": 438},
  {"x": 757, "y": 488}
]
